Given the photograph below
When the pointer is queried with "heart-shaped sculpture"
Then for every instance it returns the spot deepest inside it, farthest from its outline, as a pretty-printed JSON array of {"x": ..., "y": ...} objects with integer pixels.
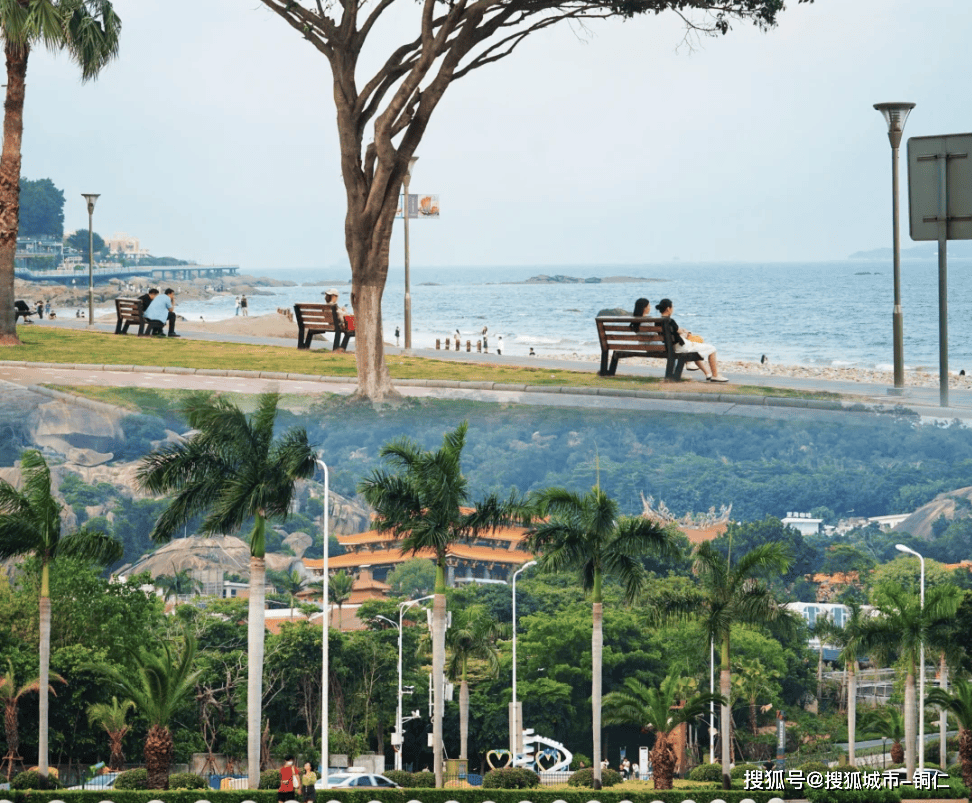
[
  {"x": 493, "y": 758},
  {"x": 548, "y": 758}
]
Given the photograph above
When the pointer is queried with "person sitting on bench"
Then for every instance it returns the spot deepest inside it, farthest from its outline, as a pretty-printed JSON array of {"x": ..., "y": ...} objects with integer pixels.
[
  {"x": 22, "y": 311},
  {"x": 160, "y": 311}
]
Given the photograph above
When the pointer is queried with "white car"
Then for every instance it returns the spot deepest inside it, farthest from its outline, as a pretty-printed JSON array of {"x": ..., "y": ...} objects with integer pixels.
[
  {"x": 356, "y": 779},
  {"x": 105, "y": 781}
]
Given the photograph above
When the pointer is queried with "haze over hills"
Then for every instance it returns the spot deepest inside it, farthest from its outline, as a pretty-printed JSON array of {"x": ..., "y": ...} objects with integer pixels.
[{"x": 960, "y": 249}]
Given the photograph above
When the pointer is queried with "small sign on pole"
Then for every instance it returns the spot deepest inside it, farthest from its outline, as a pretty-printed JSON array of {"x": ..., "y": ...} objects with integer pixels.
[{"x": 419, "y": 207}]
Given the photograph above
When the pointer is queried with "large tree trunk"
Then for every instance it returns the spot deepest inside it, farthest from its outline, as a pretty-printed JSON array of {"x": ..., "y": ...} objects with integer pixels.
[
  {"x": 43, "y": 692},
  {"x": 374, "y": 380},
  {"x": 158, "y": 756},
  {"x": 725, "y": 712},
  {"x": 662, "y": 762},
  {"x": 851, "y": 711},
  {"x": 463, "y": 717},
  {"x": 10, "y": 728},
  {"x": 254, "y": 669},
  {"x": 597, "y": 656},
  {"x": 438, "y": 668},
  {"x": 965, "y": 755},
  {"x": 117, "y": 760},
  {"x": 13, "y": 131},
  {"x": 909, "y": 718}
]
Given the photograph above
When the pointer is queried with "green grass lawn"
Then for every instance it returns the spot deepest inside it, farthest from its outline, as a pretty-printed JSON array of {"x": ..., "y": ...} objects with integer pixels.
[{"x": 98, "y": 348}]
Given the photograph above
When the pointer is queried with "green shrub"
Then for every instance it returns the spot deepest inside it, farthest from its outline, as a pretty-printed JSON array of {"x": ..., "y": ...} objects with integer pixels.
[
  {"x": 738, "y": 772},
  {"x": 270, "y": 779},
  {"x": 186, "y": 780},
  {"x": 706, "y": 772},
  {"x": 585, "y": 777},
  {"x": 814, "y": 766},
  {"x": 132, "y": 779},
  {"x": 954, "y": 790},
  {"x": 882, "y": 795},
  {"x": 402, "y": 778},
  {"x": 423, "y": 780},
  {"x": 511, "y": 778},
  {"x": 31, "y": 780},
  {"x": 954, "y": 770}
]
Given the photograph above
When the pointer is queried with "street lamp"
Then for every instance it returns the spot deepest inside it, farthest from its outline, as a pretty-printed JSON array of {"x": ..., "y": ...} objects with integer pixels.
[
  {"x": 325, "y": 758},
  {"x": 90, "y": 197},
  {"x": 408, "y": 293},
  {"x": 921, "y": 677},
  {"x": 515, "y": 718},
  {"x": 895, "y": 115},
  {"x": 399, "y": 736}
]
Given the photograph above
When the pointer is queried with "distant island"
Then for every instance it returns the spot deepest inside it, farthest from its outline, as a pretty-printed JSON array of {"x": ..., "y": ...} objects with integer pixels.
[
  {"x": 961, "y": 249},
  {"x": 561, "y": 279}
]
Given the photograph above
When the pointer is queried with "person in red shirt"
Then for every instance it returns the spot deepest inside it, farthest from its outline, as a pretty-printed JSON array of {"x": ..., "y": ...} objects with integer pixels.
[{"x": 289, "y": 782}]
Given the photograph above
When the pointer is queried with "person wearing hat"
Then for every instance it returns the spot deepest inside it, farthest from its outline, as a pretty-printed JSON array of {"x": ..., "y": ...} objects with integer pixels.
[{"x": 346, "y": 320}]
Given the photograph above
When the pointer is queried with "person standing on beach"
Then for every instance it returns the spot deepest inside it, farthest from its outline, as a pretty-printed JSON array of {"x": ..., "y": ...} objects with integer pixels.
[
  {"x": 237, "y": 305},
  {"x": 499, "y": 344},
  {"x": 397, "y": 334},
  {"x": 243, "y": 305},
  {"x": 485, "y": 341}
]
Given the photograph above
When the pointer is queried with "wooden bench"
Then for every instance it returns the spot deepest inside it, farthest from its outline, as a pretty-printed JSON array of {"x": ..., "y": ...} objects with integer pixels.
[
  {"x": 318, "y": 319},
  {"x": 21, "y": 310},
  {"x": 128, "y": 311},
  {"x": 651, "y": 338}
]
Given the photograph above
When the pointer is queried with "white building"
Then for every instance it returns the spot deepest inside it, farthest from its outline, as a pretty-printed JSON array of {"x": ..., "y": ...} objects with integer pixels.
[{"x": 803, "y": 523}]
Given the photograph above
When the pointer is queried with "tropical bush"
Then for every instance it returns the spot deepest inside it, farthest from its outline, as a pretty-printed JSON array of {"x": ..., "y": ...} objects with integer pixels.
[
  {"x": 31, "y": 780},
  {"x": 132, "y": 779},
  {"x": 402, "y": 778},
  {"x": 186, "y": 780},
  {"x": 511, "y": 778},
  {"x": 814, "y": 766},
  {"x": 738, "y": 772},
  {"x": 423, "y": 779},
  {"x": 706, "y": 772},
  {"x": 585, "y": 777},
  {"x": 270, "y": 779}
]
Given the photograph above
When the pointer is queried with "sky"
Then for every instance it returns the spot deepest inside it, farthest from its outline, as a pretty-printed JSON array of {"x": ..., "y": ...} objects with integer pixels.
[{"x": 213, "y": 137}]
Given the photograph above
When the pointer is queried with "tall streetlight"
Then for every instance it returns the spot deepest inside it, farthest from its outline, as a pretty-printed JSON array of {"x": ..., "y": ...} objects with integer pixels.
[
  {"x": 325, "y": 668},
  {"x": 921, "y": 677},
  {"x": 90, "y": 197},
  {"x": 408, "y": 292},
  {"x": 398, "y": 740},
  {"x": 895, "y": 115},
  {"x": 515, "y": 718}
]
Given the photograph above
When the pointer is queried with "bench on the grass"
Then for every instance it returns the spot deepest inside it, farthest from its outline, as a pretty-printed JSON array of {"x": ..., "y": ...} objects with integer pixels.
[
  {"x": 319, "y": 319},
  {"x": 623, "y": 336}
]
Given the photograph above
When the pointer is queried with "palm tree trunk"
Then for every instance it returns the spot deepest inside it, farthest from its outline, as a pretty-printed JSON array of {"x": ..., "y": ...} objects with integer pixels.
[
  {"x": 965, "y": 755},
  {"x": 909, "y": 718},
  {"x": 662, "y": 762},
  {"x": 851, "y": 711},
  {"x": 820, "y": 677},
  {"x": 45, "y": 669},
  {"x": 725, "y": 713},
  {"x": 438, "y": 669},
  {"x": 943, "y": 717},
  {"x": 13, "y": 131},
  {"x": 254, "y": 676},
  {"x": 117, "y": 760},
  {"x": 597, "y": 656},
  {"x": 463, "y": 716},
  {"x": 158, "y": 756}
]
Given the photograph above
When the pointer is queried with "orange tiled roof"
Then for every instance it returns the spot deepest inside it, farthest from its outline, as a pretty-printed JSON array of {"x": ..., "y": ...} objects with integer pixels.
[
  {"x": 514, "y": 534},
  {"x": 392, "y": 556},
  {"x": 697, "y": 536}
]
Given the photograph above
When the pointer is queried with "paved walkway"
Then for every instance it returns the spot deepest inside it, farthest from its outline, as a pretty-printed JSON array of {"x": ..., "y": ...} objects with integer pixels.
[{"x": 864, "y": 398}]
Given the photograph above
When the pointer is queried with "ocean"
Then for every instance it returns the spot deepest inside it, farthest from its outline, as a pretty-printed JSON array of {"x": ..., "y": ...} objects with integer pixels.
[{"x": 814, "y": 313}]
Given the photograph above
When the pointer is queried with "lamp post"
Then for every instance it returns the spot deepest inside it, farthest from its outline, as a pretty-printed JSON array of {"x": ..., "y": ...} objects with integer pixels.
[
  {"x": 408, "y": 292},
  {"x": 712, "y": 702},
  {"x": 515, "y": 719},
  {"x": 399, "y": 736},
  {"x": 90, "y": 197},
  {"x": 921, "y": 677},
  {"x": 895, "y": 115},
  {"x": 325, "y": 669}
]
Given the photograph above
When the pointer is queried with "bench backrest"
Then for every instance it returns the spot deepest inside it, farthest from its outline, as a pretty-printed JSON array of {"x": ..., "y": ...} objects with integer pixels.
[
  {"x": 316, "y": 316},
  {"x": 128, "y": 307},
  {"x": 652, "y": 336}
]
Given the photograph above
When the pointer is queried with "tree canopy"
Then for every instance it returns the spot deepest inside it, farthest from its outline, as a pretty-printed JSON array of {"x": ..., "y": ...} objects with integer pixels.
[{"x": 41, "y": 208}]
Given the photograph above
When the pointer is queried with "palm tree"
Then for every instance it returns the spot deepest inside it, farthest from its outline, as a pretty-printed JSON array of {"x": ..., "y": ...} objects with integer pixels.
[
  {"x": 161, "y": 683},
  {"x": 339, "y": 590},
  {"x": 889, "y": 723},
  {"x": 586, "y": 534},
  {"x": 902, "y": 626},
  {"x": 10, "y": 694},
  {"x": 729, "y": 595},
  {"x": 472, "y": 636},
  {"x": 656, "y": 709},
  {"x": 180, "y": 584},
  {"x": 848, "y": 638},
  {"x": 751, "y": 680},
  {"x": 425, "y": 502},
  {"x": 232, "y": 470},
  {"x": 959, "y": 702},
  {"x": 289, "y": 583},
  {"x": 111, "y": 716},
  {"x": 88, "y": 30},
  {"x": 30, "y": 524}
]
